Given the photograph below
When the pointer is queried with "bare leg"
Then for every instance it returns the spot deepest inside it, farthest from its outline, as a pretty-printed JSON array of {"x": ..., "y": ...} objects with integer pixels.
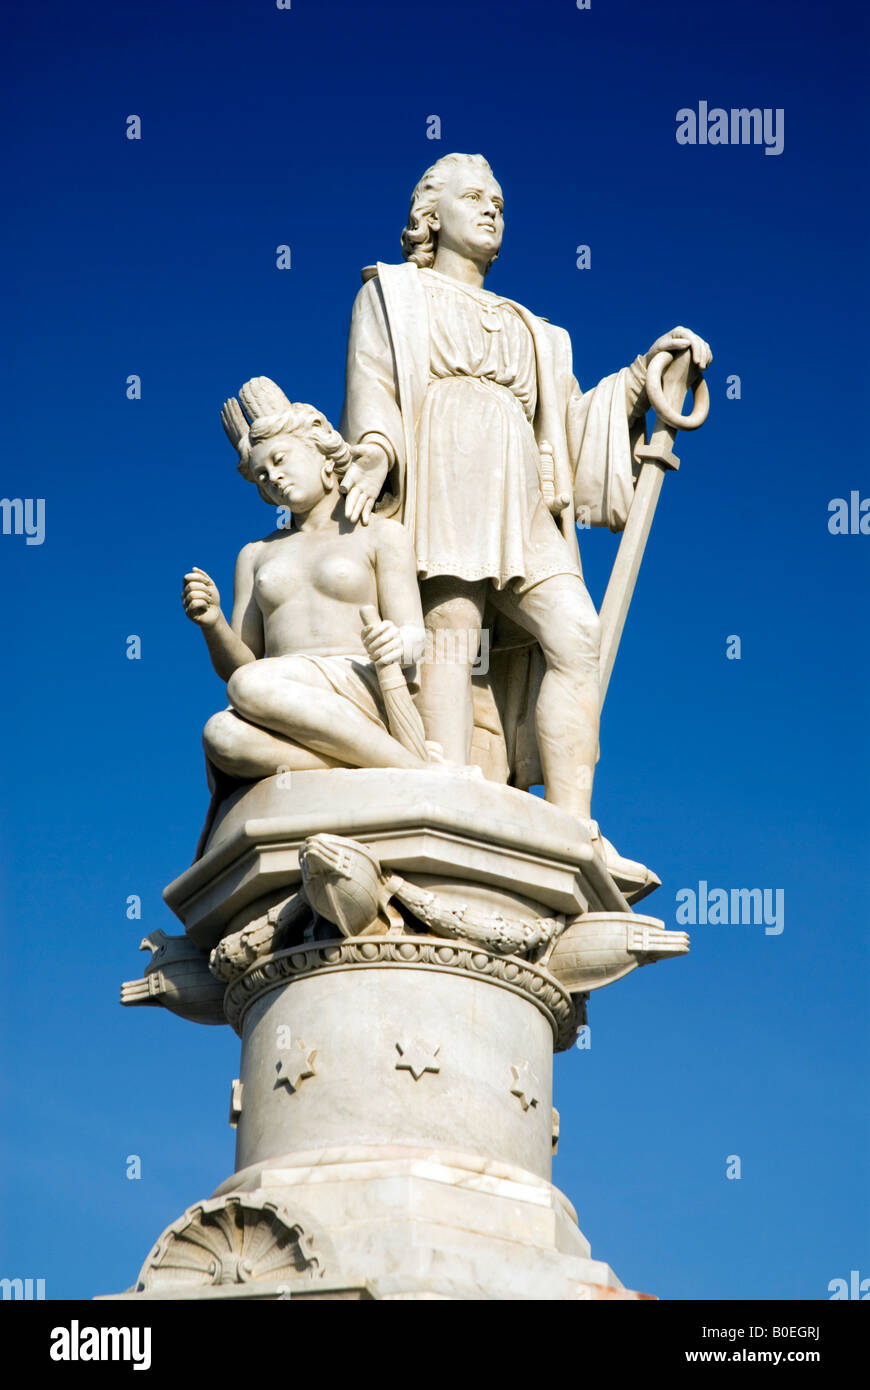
[
  {"x": 453, "y": 612},
  {"x": 316, "y": 718},
  {"x": 245, "y": 750},
  {"x": 561, "y": 615}
]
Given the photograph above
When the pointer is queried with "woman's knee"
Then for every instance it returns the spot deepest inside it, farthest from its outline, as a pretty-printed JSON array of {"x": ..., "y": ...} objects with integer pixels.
[
  {"x": 243, "y": 686},
  {"x": 220, "y": 737}
]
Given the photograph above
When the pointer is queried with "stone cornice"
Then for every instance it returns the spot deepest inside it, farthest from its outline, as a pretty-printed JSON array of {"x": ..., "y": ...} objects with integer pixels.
[{"x": 530, "y": 981}]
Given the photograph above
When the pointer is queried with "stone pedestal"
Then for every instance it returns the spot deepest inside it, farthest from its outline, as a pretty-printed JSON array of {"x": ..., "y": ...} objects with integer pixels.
[{"x": 394, "y": 1102}]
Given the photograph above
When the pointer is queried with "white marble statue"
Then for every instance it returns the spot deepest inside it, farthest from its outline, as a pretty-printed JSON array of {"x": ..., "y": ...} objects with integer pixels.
[
  {"x": 465, "y": 422},
  {"x": 301, "y": 664},
  {"x": 400, "y": 935}
]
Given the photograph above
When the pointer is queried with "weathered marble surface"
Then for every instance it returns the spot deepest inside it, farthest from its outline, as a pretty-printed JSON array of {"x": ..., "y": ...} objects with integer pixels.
[
  {"x": 399, "y": 932},
  {"x": 466, "y": 421}
]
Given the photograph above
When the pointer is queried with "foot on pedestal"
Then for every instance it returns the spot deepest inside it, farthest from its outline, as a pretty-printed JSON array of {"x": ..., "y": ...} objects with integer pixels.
[
  {"x": 633, "y": 879},
  {"x": 439, "y": 763}
]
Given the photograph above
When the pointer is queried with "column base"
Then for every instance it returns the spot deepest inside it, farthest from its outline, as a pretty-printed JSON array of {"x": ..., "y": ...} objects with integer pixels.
[{"x": 378, "y": 1223}]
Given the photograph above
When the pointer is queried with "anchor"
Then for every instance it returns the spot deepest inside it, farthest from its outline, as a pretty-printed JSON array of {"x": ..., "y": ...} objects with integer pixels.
[{"x": 670, "y": 376}]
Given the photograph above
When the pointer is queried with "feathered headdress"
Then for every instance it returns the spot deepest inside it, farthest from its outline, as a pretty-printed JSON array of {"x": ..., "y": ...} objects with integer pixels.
[{"x": 262, "y": 411}]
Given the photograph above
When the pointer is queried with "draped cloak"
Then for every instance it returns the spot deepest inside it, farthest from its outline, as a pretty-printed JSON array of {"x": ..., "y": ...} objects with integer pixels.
[{"x": 592, "y": 444}]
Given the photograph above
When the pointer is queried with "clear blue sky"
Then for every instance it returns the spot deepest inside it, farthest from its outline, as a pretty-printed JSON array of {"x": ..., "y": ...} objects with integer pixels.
[{"x": 157, "y": 257}]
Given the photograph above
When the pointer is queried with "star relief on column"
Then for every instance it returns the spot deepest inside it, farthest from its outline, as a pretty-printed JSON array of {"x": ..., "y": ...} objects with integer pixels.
[
  {"x": 525, "y": 1085},
  {"x": 295, "y": 1064},
  {"x": 417, "y": 1057}
]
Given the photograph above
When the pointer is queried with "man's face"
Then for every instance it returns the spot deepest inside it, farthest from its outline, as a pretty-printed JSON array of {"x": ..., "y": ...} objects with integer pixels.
[
  {"x": 471, "y": 213},
  {"x": 287, "y": 470}
]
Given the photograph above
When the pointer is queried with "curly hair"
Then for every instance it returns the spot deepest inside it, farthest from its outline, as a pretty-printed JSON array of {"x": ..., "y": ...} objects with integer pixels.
[
  {"x": 419, "y": 238},
  {"x": 306, "y": 423}
]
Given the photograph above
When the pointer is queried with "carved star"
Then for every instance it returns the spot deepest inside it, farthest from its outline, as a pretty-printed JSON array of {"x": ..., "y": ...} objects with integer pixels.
[
  {"x": 526, "y": 1085},
  {"x": 417, "y": 1057},
  {"x": 294, "y": 1064}
]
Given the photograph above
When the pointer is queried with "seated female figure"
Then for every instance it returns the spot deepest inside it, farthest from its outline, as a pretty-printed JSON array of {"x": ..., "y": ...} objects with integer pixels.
[{"x": 299, "y": 662}]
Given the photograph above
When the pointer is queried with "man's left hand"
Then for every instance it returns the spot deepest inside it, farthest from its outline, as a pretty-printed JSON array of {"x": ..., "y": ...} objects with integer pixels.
[{"x": 680, "y": 337}]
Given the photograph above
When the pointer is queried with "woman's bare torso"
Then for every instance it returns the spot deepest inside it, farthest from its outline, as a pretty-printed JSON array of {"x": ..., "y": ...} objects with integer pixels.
[{"x": 309, "y": 588}]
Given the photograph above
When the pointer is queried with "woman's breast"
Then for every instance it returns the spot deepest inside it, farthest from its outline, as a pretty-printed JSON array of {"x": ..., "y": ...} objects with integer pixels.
[
  {"x": 345, "y": 578},
  {"x": 342, "y": 578}
]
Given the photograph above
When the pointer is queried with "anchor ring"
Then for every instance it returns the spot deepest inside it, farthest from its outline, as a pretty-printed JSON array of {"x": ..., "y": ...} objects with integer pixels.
[{"x": 668, "y": 416}]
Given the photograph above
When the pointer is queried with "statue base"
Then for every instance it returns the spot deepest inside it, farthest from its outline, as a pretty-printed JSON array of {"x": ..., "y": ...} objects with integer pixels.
[
  {"x": 394, "y": 1117},
  {"x": 379, "y": 1223}
]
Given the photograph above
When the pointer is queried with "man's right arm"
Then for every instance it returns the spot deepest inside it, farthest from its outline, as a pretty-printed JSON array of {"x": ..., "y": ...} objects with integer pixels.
[{"x": 371, "y": 421}]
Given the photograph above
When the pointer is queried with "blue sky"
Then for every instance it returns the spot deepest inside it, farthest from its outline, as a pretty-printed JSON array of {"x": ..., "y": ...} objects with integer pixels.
[{"x": 156, "y": 257}]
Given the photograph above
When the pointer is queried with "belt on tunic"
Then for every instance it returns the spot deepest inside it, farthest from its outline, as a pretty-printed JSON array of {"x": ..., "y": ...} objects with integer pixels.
[{"x": 485, "y": 381}]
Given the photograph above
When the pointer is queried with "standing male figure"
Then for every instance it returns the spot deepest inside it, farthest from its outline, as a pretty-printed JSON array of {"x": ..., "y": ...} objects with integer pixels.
[{"x": 460, "y": 402}]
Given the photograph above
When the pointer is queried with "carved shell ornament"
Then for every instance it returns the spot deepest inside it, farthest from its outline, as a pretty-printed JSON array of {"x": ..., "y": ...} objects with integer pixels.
[{"x": 229, "y": 1240}]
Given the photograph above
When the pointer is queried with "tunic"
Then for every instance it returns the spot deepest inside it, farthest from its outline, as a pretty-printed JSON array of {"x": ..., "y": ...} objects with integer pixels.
[
  {"x": 478, "y": 511},
  {"x": 419, "y": 342}
]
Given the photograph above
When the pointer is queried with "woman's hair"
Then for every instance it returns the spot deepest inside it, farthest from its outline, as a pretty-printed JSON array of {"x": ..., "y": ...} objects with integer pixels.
[
  {"x": 306, "y": 423},
  {"x": 262, "y": 411},
  {"x": 419, "y": 239}
]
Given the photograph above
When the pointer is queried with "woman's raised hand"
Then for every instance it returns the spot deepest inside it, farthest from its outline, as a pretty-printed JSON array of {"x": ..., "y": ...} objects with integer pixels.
[{"x": 202, "y": 602}]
